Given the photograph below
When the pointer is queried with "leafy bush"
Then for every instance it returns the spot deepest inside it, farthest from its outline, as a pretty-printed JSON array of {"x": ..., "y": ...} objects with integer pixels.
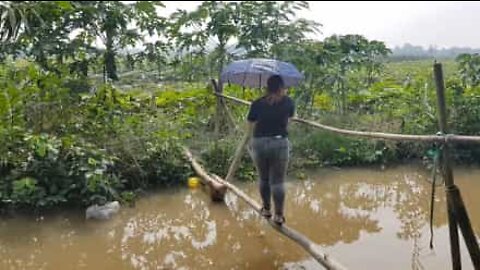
[
  {"x": 161, "y": 165},
  {"x": 313, "y": 148},
  {"x": 56, "y": 171},
  {"x": 96, "y": 148}
]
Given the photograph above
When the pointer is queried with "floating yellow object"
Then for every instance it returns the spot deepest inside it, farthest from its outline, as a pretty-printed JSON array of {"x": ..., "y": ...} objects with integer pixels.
[{"x": 193, "y": 182}]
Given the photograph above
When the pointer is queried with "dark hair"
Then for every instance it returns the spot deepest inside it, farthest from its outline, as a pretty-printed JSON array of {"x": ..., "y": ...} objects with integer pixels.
[{"x": 274, "y": 86}]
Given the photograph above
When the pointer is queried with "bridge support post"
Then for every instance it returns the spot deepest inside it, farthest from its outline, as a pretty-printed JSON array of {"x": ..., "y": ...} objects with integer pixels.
[{"x": 457, "y": 213}]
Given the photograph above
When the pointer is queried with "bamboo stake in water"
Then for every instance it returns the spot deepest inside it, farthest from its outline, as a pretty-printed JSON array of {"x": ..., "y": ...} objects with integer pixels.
[
  {"x": 446, "y": 169},
  {"x": 457, "y": 213}
]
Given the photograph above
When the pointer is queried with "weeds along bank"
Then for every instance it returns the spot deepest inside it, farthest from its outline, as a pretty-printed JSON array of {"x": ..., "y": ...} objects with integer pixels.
[
  {"x": 62, "y": 146},
  {"x": 65, "y": 145}
]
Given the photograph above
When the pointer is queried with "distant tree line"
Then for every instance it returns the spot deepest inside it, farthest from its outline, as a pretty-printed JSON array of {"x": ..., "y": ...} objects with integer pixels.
[{"x": 412, "y": 52}]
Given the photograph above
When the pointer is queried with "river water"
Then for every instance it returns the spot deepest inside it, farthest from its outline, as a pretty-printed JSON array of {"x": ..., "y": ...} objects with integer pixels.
[{"x": 365, "y": 218}]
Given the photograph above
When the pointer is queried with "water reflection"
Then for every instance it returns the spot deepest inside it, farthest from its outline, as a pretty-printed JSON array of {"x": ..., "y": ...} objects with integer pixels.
[
  {"x": 350, "y": 204},
  {"x": 174, "y": 235},
  {"x": 369, "y": 218}
]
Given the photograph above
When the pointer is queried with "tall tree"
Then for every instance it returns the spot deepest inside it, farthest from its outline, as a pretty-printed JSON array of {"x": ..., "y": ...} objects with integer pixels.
[
  {"x": 16, "y": 17},
  {"x": 374, "y": 52},
  {"x": 118, "y": 25},
  {"x": 213, "y": 23},
  {"x": 72, "y": 29},
  {"x": 330, "y": 65},
  {"x": 469, "y": 69},
  {"x": 266, "y": 25},
  {"x": 37, "y": 28},
  {"x": 233, "y": 28},
  {"x": 344, "y": 54}
]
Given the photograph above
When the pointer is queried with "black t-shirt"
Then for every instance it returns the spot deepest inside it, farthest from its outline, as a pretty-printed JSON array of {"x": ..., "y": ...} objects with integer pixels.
[{"x": 272, "y": 119}]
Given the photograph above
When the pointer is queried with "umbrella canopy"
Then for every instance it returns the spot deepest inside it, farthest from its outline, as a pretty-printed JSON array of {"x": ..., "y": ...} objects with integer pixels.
[{"x": 255, "y": 72}]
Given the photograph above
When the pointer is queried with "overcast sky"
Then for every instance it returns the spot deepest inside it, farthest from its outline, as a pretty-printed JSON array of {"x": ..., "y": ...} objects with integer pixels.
[{"x": 443, "y": 24}]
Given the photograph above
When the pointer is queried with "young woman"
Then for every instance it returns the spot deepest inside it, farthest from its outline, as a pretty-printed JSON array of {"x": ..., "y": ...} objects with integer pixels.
[{"x": 268, "y": 118}]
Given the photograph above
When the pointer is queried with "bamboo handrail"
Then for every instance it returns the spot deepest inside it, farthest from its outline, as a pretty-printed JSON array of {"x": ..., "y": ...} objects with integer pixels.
[
  {"x": 448, "y": 138},
  {"x": 311, "y": 247}
]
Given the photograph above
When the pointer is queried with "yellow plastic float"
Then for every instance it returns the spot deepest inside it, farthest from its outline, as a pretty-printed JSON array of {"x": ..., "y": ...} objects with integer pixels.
[{"x": 193, "y": 182}]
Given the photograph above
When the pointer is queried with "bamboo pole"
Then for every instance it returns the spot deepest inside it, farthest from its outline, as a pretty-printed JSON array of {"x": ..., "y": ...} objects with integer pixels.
[
  {"x": 373, "y": 135},
  {"x": 217, "y": 190},
  {"x": 463, "y": 221},
  {"x": 311, "y": 247},
  {"x": 237, "y": 158},
  {"x": 377, "y": 135},
  {"x": 446, "y": 169},
  {"x": 457, "y": 213},
  {"x": 229, "y": 116}
]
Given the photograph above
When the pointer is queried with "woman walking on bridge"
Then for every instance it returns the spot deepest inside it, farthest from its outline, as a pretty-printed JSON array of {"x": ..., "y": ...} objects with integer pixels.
[{"x": 268, "y": 120}]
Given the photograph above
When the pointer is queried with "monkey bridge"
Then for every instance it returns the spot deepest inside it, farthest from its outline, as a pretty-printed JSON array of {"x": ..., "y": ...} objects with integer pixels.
[{"x": 457, "y": 213}]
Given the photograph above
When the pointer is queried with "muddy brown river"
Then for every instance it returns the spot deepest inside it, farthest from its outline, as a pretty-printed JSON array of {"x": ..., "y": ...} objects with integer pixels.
[{"x": 364, "y": 218}]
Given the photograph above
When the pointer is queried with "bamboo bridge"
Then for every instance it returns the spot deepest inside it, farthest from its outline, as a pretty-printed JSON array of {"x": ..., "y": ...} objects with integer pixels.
[{"x": 457, "y": 213}]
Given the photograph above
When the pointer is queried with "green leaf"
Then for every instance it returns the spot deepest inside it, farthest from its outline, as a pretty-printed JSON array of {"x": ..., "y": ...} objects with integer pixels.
[
  {"x": 145, "y": 6},
  {"x": 92, "y": 161},
  {"x": 64, "y": 5},
  {"x": 41, "y": 149},
  {"x": 67, "y": 142}
]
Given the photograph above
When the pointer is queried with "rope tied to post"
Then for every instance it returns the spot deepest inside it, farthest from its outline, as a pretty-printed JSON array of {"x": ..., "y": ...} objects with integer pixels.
[{"x": 447, "y": 138}]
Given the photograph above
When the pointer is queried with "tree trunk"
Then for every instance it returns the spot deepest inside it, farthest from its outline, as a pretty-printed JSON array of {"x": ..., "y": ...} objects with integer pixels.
[
  {"x": 42, "y": 60},
  {"x": 221, "y": 59},
  {"x": 110, "y": 65},
  {"x": 84, "y": 68},
  {"x": 190, "y": 75},
  {"x": 219, "y": 123},
  {"x": 344, "y": 98},
  {"x": 312, "y": 95}
]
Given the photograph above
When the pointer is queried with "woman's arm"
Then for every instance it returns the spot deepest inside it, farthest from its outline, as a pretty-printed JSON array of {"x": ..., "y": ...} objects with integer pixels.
[
  {"x": 291, "y": 113},
  {"x": 250, "y": 127}
]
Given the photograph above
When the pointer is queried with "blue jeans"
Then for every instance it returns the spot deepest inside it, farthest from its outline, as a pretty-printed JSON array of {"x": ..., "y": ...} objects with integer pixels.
[{"x": 271, "y": 156}]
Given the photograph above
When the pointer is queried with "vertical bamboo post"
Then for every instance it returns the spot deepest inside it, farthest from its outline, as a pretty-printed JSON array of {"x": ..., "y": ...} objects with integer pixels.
[
  {"x": 219, "y": 114},
  {"x": 454, "y": 197},
  {"x": 446, "y": 168},
  {"x": 231, "y": 119}
]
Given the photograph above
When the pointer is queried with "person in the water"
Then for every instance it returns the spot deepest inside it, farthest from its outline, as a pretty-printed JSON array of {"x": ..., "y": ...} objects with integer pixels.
[{"x": 268, "y": 119}]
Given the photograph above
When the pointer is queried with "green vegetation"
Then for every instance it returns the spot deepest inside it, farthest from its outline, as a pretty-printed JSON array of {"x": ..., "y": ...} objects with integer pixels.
[{"x": 72, "y": 137}]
